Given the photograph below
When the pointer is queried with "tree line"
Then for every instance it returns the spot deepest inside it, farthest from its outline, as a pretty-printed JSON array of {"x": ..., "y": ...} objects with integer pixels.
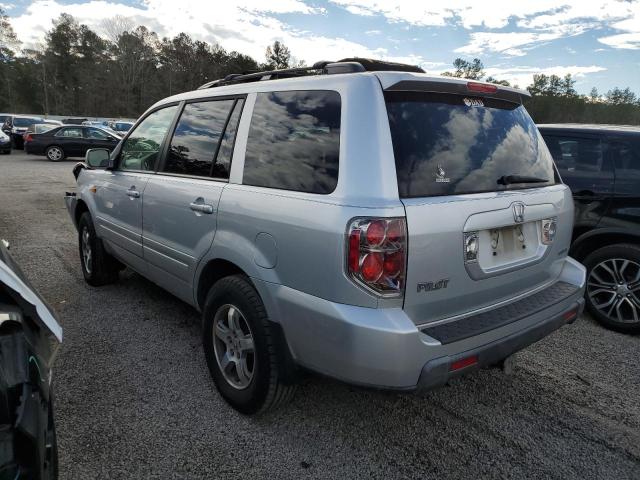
[
  {"x": 75, "y": 71},
  {"x": 554, "y": 98}
]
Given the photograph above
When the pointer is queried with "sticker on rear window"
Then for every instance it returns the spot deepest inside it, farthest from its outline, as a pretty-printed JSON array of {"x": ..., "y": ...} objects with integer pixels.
[{"x": 473, "y": 102}]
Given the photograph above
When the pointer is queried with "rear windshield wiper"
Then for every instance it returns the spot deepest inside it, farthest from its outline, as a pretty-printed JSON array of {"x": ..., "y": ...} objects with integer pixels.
[{"x": 510, "y": 179}]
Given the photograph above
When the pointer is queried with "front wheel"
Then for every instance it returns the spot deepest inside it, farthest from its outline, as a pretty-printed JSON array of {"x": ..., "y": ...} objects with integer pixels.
[
  {"x": 55, "y": 154},
  {"x": 241, "y": 348},
  {"x": 98, "y": 267},
  {"x": 613, "y": 287}
]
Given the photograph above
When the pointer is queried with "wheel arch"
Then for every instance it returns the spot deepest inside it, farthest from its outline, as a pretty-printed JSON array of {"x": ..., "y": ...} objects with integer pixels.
[
  {"x": 81, "y": 207},
  {"x": 586, "y": 242}
]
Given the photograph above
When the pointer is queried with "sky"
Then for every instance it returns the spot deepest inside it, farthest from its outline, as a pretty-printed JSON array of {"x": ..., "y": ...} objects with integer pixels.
[{"x": 596, "y": 41}]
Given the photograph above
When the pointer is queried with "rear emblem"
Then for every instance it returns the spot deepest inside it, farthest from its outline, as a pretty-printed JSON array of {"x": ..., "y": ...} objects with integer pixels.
[
  {"x": 518, "y": 212},
  {"x": 431, "y": 286},
  {"x": 441, "y": 175}
]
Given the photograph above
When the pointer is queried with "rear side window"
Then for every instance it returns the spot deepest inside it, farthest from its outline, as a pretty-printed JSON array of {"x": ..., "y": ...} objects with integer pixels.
[
  {"x": 195, "y": 141},
  {"x": 448, "y": 144},
  {"x": 576, "y": 154},
  {"x": 70, "y": 133},
  {"x": 294, "y": 141}
]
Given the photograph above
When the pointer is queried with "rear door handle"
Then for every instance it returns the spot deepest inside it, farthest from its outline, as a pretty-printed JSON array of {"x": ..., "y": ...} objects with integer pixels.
[
  {"x": 200, "y": 206},
  {"x": 133, "y": 193}
]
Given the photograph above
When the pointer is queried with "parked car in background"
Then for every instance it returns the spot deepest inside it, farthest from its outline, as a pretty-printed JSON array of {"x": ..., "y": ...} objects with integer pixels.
[
  {"x": 120, "y": 127},
  {"x": 601, "y": 164},
  {"x": 5, "y": 143},
  {"x": 69, "y": 141},
  {"x": 16, "y": 125},
  {"x": 73, "y": 121},
  {"x": 30, "y": 336},
  {"x": 41, "y": 128},
  {"x": 327, "y": 221},
  {"x": 96, "y": 123}
]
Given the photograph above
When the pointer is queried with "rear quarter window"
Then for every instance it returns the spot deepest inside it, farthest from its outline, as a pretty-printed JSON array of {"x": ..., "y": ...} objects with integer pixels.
[{"x": 294, "y": 141}]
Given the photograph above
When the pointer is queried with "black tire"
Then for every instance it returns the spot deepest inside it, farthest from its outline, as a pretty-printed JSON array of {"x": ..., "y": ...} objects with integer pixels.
[
  {"x": 28, "y": 446},
  {"x": 55, "y": 153},
  {"x": 101, "y": 268},
  {"x": 270, "y": 386},
  {"x": 623, "y": 288}
]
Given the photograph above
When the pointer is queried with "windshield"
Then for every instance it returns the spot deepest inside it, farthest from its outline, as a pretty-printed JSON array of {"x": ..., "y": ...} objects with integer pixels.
[
  {"x": 24, "y": 122},
  {"x": 448, "y": 144}
]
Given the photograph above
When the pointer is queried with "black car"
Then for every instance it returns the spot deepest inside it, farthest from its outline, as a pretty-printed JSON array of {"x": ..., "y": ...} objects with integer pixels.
[
  {"x": 16, "y": 125},
  {"x": 601, "y": 165},
  {"x": 69, "y": 141},
  {"x": 30, "y": 335}
]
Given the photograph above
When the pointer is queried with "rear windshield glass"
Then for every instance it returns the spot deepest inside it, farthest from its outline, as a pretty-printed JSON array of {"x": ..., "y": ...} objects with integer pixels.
[{"x": 448, "y": 144}]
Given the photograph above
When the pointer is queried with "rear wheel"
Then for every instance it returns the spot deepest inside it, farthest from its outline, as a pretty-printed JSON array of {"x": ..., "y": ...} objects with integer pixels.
[
  {"x": 28, "y": 447},
  {"x": 613, "y": 287},
  {"x": 55, "y": 153},
  {"x": 98, "y": 267},
  {"x": 241, "y": 348}
]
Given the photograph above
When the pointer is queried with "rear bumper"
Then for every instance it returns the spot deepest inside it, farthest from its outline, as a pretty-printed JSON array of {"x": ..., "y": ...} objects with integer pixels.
[
  {"x": 383, "y": 348},
  {"x": 438, "y": 371}
]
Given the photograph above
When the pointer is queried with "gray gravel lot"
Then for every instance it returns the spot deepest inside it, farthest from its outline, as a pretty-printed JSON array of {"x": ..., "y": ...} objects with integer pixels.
[{"x": 134, "y": 398}]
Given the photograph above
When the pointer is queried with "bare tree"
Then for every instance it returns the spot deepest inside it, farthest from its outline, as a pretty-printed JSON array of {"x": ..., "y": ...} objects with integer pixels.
[{"x": 113, "y": 27}]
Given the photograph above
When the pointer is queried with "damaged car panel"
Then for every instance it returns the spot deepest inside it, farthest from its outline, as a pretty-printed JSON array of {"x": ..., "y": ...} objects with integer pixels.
[{"x": 30, "y": 336}]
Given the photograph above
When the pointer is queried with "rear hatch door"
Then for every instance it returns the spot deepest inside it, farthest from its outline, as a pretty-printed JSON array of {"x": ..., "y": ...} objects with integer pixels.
[{"x": 482, "y": 200}]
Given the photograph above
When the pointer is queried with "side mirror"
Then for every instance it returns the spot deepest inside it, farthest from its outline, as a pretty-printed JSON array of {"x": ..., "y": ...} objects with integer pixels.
[{"x": 97, "y": 157}]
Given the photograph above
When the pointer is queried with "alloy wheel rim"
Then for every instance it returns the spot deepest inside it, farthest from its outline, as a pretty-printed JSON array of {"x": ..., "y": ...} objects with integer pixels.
[
  {"x": 55, "y": 154},
  {"x": 613, "y": 287},
  {"x": 233, "y": 346},
  {"x": 86, "y": 250}
]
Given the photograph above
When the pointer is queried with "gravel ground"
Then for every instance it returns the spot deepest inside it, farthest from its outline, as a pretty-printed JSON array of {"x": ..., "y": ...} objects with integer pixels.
[{"x": 134, "y": 398}]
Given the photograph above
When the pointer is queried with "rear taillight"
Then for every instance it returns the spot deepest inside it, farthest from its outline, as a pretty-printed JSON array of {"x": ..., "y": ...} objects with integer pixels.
[
  {"x": 376, "y": 254},
  {"x": 28, "y": 137},
  {"x": 481, "y": 87}
]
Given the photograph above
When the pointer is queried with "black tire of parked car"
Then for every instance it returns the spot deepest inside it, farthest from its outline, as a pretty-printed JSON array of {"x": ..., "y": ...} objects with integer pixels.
[
  {"x": 100, "y": 268},
  {"x": 620, "y": 251},
  {"x": 28, "y": 445},
  {"x": 55, "y": 153},
  {"x": 269, "y": 387}
]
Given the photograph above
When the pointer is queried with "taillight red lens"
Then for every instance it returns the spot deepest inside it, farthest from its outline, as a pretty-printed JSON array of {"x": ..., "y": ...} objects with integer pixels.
[
  {"x": 395, "y": 230},
  {"x": 393, "y": 263},
  {"x": 28, "y": 137},
  {"x": 481, "y": 87},
  {"x": 371, "y": 267},
  {"x": 376, "y": 254},
  {"x": 354, "y": 250},
  {"x": 375, "y": 233}
]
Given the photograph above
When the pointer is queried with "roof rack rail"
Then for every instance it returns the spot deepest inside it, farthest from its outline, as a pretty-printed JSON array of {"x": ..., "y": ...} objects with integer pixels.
[{"x": 347, "y": 65}]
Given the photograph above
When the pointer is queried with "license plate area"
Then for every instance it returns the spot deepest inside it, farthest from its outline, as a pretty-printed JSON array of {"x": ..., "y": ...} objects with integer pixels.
[{"x": 504, "y": 246}]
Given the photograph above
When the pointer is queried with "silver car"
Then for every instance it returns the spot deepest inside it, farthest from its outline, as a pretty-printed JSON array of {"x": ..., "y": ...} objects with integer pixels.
[{"x": 386, "y": 228}]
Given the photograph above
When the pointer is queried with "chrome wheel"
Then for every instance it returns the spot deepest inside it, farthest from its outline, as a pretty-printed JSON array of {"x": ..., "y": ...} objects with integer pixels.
[
  {"x": 86, "y": 250},
  {"x": 54, "y": 154},
  {"x": 233, "y": 346},
  {"x": 613, "y": 287}
]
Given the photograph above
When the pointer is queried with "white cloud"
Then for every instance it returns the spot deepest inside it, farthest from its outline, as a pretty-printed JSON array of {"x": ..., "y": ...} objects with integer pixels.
[
  {"x": 511, "y": 43},
  {"x": 523, "y": 76},
  {"x": 536, "y": 21},
  {"x": 246, "y": 26}
]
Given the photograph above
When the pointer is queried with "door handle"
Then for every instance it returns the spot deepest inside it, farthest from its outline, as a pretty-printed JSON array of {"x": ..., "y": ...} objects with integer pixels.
[
  {"x": 200, "y": 206},
  {"x": 133, "y": 193}
]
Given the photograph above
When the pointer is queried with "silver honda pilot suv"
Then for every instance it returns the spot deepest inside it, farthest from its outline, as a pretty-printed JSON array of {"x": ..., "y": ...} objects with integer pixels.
[{"x": 358, "y": 219}]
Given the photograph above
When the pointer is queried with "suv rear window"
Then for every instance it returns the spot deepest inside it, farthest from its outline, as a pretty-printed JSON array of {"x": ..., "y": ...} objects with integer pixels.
[
  {"x": 294, "y": 141},
  {"x": 448, "y": 144}
]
